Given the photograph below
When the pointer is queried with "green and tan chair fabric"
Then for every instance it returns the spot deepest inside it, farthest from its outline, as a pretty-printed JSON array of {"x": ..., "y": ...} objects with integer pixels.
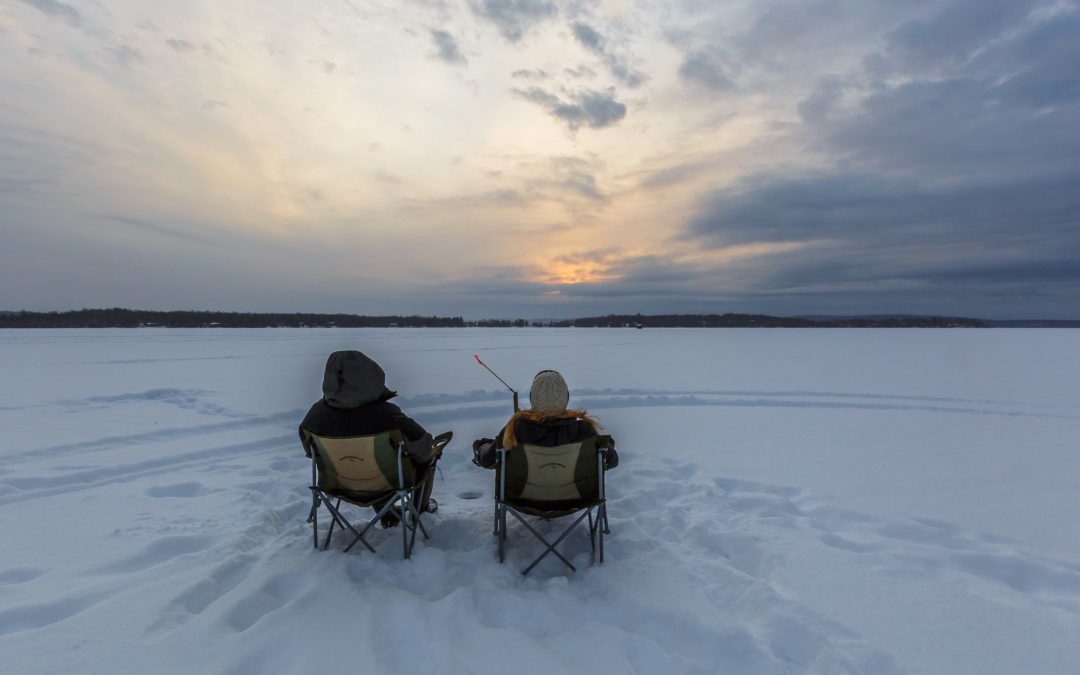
[
  {"x": 367, "y": 471},
  {"x": 550, "y": 483},
  {"x": 362, "y": 468}
]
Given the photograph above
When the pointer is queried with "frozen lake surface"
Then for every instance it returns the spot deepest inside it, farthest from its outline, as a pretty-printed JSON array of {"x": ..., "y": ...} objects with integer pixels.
[{"x": 790, "y": 501}]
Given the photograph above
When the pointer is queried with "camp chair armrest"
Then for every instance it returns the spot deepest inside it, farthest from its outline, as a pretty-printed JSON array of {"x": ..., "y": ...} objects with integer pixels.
[
  {"x": 500, "y": 488},
  {"x": 601, "y": 469},
  {"x": 400, "y": 468}
]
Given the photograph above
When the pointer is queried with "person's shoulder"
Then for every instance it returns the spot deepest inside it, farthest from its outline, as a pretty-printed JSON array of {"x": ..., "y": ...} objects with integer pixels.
[
  {"x": 385, "y": 407},
  {"x": 582, "y": 423},
  {"x": 585, "y": 429},
  {"x": 321, "y": 418}
]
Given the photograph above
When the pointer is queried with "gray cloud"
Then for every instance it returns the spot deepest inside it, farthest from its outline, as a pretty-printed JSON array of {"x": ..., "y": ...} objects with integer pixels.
[
  {"x": 180, "y": 46},
  {"x": 842, "y": 278},
  {"x": 669, "y": 176},
  {"x": 623, "y": 73},
  {"x": 1010, "y": 110},
  {"x": 1046, "y": 54},
  {"x": 951, "y": 34},
  {"x": 527, "y": 74},
  {"x": 860, "y": 207},
  {"x": 581, "y": 72},
  {"x": 127, "y": 55},
  {"x": 952, "y": 188},
  {"x": 156, "y": 228},
  {"x": 18, "y": 185},
  {"x": 707, "y": 68},
  {"x": 592, "y": 40},
  {"x": 817, "y": 106},
  {"x": 568, "y": 181},
  {"x": 58, "y": 10},
  {"x": 573, "y": 176},
  {"x": 514, "y": 18},
  {"x": 589, "y": 108},
  {"x": 588, "y": 37},
  {"x": 447, "y": 47}
]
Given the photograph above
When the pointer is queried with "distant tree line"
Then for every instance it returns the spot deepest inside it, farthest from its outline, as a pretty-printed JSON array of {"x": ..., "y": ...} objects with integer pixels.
[
  {"x": 129, "y": 318},
  {"x": 504, "y": 323},
  {"x": 765, "y": 321}
]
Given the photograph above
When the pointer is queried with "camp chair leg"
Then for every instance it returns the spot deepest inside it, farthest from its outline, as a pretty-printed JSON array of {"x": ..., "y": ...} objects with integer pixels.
[
  {"x": 593, "y": 527},
  {"x": 603, "y": 530},
  {"x": 405, "y": 515},
  {"x": 551, "y": 546},
  {"x": 314, "y": 520},
  {"x": 370, "y": 523},
  {"x": 333, "y": 522},
  {"x": 500, "y": 520},
  {"x": 417, "y": 522},
  {"x": 412, "y": 533},
  {"x": 598, "y": 530},
  {"x": 312, "y": 515},
  {"x": 335, "y": 519}
]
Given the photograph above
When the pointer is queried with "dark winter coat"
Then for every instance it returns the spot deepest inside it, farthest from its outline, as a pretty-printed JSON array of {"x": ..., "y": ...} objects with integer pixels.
[
  {"x": 548, "y": 434},
  {"x": 355, "y": 403}
]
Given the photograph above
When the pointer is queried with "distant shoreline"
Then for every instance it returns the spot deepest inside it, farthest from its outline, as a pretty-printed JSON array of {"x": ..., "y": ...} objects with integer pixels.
[{"x": 128, "y": 318}]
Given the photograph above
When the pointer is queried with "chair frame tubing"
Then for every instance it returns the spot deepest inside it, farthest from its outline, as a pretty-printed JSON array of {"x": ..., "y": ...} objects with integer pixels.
[
  {"x": 598, "y": 527},
  {"x": 402, "y": 498}
]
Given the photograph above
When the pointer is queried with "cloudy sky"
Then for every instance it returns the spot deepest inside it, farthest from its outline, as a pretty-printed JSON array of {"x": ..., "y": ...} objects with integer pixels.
[{"x": 542, "y": 158}]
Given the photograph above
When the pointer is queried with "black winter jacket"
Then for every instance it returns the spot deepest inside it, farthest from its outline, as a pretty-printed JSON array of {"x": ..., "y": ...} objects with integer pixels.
[{"x": 325, "y": 420}]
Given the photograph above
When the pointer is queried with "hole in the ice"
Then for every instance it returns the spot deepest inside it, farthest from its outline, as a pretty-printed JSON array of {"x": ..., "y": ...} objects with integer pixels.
[{"x": 470, "y": 494}]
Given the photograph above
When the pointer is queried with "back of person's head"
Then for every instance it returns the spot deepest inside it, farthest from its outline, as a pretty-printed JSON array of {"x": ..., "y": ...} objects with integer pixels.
[
  {"x": 549, "y": 394},
  {"x": 549, "y": 397},
  {"x": 352, "y": 379}
]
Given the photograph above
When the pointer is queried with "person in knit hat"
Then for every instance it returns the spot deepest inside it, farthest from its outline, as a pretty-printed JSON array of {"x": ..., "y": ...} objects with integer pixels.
[{"x": 547, "y": 422}]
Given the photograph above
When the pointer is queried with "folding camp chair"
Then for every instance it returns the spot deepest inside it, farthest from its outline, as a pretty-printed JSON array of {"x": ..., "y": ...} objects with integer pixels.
[
  {"x": 550, "y": 483},
  {"x": 368, "y": 471}
]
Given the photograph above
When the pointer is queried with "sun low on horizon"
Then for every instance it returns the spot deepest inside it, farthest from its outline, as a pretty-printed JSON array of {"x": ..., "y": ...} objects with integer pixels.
[{"x": 539, "y": 158}]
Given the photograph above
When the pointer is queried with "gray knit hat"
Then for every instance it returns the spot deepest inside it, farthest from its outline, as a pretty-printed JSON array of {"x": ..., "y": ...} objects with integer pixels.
[{"x": 549, "y": 393}]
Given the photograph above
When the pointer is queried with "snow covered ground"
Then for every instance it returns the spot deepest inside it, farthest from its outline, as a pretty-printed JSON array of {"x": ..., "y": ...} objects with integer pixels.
[{"x": 790, "y": 501}]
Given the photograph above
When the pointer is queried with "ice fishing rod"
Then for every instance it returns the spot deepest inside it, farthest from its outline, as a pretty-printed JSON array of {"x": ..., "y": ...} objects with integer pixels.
[{"x": 512, "y": 390}]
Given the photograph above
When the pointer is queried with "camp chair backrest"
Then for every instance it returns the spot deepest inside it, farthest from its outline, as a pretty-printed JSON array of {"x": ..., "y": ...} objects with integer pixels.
[
  {"x": 564, "y": 473},
  {"x": 363, "y": 466}
]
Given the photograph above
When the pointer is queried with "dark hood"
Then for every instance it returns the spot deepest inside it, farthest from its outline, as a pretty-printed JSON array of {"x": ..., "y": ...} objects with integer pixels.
[{"x": 352, "y": 379}]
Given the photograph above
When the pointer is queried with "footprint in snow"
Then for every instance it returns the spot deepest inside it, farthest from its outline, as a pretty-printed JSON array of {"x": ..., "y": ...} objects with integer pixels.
[
  {"x": 189, "y": 489},
  {"x": 158, "y": 552},
  {"x": 20, "y": 575}
]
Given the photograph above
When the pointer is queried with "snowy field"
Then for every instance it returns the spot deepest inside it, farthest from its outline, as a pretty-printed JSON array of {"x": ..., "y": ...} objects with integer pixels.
[{"x": 790, "y": 501}]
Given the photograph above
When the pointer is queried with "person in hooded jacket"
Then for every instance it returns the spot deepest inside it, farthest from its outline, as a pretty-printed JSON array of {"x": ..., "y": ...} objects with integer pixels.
[
  {"x": 546, "y": 423},
  {"x": 356, "y": 402}
]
